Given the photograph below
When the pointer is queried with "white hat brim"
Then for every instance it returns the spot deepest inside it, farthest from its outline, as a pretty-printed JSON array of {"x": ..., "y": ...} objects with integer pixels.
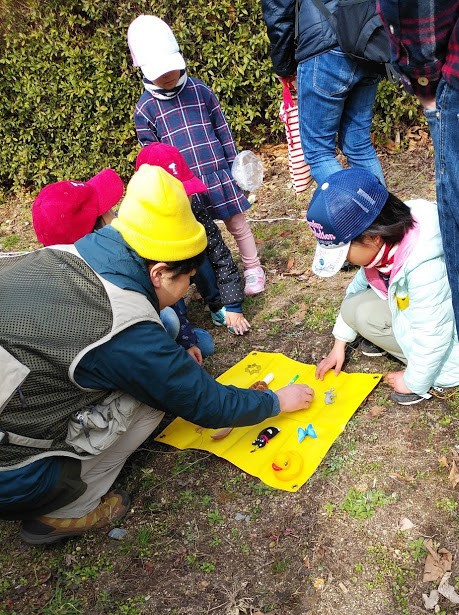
[
  {"x": 163, "y": 65},
  {"x": 328, "y": 260}
]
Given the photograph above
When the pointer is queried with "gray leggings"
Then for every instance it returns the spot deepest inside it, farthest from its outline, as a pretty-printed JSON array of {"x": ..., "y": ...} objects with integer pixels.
[{"x": 370, "y": 316}]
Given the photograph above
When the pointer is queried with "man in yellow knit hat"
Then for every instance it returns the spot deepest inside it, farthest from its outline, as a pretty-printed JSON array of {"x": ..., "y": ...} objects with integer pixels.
[{"x": 80, "y": 322}]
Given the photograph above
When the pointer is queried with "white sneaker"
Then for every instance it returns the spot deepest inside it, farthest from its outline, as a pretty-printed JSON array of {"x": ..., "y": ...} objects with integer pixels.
[{"x": 255, "y": 280}]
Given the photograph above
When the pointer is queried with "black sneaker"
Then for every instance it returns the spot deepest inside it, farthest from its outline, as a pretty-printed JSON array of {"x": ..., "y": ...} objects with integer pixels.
[
  {"x": 371, "y": 350},
  {"x": 407, "y": 399}
]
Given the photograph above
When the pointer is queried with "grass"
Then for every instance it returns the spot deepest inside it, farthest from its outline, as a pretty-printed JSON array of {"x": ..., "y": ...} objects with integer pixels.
[
  {"x": 363, "y": 505},
  {"x": 204, "y": 537}
]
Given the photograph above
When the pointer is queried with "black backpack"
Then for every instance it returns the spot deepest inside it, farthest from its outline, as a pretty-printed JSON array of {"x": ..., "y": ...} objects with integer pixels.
[{"x": 360, "y": 33}]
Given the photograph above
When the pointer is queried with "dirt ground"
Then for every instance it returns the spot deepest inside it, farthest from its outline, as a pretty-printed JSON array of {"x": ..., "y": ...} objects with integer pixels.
[{"x": 205, "y": 538}]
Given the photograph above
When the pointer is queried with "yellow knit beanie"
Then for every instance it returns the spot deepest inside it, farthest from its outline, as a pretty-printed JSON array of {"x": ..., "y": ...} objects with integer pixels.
[{"x": 155, "y": 217}]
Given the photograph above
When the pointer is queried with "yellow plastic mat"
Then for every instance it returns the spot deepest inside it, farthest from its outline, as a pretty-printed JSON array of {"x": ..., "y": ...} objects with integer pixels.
[{"x": 288, "y": 459}]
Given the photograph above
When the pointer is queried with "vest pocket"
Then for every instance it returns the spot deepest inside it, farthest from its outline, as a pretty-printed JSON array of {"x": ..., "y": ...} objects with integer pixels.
[
  {"x": 94, "y": 428},
  {"x": 12, "y": 375}
]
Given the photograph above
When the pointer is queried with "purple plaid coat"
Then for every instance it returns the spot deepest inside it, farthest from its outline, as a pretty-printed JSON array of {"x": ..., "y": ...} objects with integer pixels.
[{"x": 194, "y": 123}]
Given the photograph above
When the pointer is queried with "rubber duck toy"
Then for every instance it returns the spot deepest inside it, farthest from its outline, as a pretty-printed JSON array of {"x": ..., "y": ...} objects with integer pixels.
[{"x": 287, "y": 465}]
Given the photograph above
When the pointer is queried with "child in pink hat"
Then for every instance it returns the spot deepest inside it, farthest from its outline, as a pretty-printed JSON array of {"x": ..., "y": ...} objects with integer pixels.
[
  {"x": 65, "y": 211},
  {"x": 218, "y": 279}
]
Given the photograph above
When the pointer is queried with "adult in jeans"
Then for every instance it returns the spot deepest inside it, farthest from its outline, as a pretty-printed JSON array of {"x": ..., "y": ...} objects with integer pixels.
[
  {"x": 425, "y": 46},
  {"x": 335, "y": 95}
]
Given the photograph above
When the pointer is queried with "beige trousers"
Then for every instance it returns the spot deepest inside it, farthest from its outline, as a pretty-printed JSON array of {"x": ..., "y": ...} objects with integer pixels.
[
  {"x": 99, "y": 472},
  {"x": 370, "y": 316}
]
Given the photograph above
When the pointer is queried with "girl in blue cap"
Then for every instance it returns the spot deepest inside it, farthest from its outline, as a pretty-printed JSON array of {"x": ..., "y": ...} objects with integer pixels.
[{"x": 400, "y": 299}]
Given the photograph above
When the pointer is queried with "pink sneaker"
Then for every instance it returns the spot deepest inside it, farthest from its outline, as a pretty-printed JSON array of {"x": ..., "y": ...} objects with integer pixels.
[{"x": 254, "y": 281}]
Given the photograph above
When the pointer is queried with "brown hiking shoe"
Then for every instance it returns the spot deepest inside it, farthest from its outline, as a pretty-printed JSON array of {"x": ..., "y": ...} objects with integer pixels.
[{"x": 42, "y": 530}]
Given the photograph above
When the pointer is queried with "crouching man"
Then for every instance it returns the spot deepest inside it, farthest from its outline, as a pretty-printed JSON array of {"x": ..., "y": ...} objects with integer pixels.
[{"x": 79, "y": 328}]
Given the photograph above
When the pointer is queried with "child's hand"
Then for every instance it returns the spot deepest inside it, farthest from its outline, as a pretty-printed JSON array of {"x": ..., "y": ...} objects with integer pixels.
[
  {"x": 335, "y": 358},
  {"x": 195, "y": 354},
  {"x": 395, "y": 380},
  {"x": 237, "y": 322}
]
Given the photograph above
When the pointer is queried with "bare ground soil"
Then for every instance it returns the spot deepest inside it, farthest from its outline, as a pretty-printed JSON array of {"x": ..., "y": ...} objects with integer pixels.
[{"x": 204, "y": 537}]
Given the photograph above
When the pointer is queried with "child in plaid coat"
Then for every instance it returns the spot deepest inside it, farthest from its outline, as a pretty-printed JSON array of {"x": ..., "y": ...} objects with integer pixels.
[{"x": 185, "y": 113}]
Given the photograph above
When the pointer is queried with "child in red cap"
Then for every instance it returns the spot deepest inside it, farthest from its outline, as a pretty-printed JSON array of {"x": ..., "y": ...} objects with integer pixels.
[
  {"x": 65, "y": 211},
  {"x": 218, "y": 279}
]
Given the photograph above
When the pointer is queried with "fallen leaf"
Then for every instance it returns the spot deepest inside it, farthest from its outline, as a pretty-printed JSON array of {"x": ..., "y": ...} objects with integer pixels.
[
  {"x": 295, "y": 272},
  {"x": 437, "y": 562},
  {"x": 405, "y": 479},
  {"x": 319, "y": 583},
  {"x": 43, "y": 576},
  {"x": 343, "y": 588},
  {"x": 447, "y": 590},
  {"x": 431, "y": 600},
  {"x": 148, "y": 566},
  {"x": 290, "y": 263},
  {"x": 454, "y": 474},
  {"x": 443, "y": 461},
  {"x": 376, "y": 411},
  {"x": 405, "y": 524}
]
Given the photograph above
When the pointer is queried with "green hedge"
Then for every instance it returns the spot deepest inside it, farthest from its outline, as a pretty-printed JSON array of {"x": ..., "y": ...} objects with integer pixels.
[{"x": 68, "y": 88}]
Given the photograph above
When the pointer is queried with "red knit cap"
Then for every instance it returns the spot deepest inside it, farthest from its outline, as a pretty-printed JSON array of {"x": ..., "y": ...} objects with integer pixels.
[{"x": 67, "y": 210}]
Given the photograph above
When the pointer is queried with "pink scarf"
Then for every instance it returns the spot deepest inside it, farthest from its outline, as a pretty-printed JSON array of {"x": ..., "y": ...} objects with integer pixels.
[{"x": 384, "y": 261}]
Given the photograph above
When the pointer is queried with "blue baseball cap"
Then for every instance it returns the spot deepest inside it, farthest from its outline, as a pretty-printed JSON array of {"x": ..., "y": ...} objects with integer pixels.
[{"x": 344, "y": 206}]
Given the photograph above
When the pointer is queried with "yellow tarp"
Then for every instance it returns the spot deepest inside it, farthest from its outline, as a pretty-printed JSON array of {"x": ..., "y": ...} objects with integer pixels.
[{"x": 297, "y": 460}]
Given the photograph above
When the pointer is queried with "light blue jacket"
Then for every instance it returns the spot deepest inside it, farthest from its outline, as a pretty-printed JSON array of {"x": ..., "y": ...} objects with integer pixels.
[{"x": 419, "y": 299}]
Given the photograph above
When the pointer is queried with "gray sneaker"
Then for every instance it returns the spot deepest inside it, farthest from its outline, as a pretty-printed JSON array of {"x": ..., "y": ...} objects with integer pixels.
[
  {"x": 369, "y": 349},
  {"x": 408, "y": 399}
]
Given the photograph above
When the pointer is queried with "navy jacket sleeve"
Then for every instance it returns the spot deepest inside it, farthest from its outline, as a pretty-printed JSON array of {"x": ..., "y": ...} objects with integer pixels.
[
  {"x": 279, "y": 16},
  {"x": 146, "y": 363}
]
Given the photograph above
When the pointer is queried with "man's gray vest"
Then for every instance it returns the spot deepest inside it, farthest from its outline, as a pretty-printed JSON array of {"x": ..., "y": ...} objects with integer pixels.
[{"x": 53, "y": 309}]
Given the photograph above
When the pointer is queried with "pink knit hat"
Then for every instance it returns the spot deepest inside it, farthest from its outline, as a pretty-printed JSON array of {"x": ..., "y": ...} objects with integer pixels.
[
  {"x": 65, "y": 211},
  {"x": 171, "y": 160}
]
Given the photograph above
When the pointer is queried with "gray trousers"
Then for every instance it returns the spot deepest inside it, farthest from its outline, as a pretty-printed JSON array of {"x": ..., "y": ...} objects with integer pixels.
[
  {"x": 370, "y": 316},
  {"x": 99, "y": 472}
]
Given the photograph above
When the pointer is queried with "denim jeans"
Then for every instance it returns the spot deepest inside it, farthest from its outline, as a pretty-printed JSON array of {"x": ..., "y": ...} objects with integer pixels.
[
  {"x": 172, "y": 325},
  {"x": 335, "y": 101},
  {"x": 444, "y": 129}
]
